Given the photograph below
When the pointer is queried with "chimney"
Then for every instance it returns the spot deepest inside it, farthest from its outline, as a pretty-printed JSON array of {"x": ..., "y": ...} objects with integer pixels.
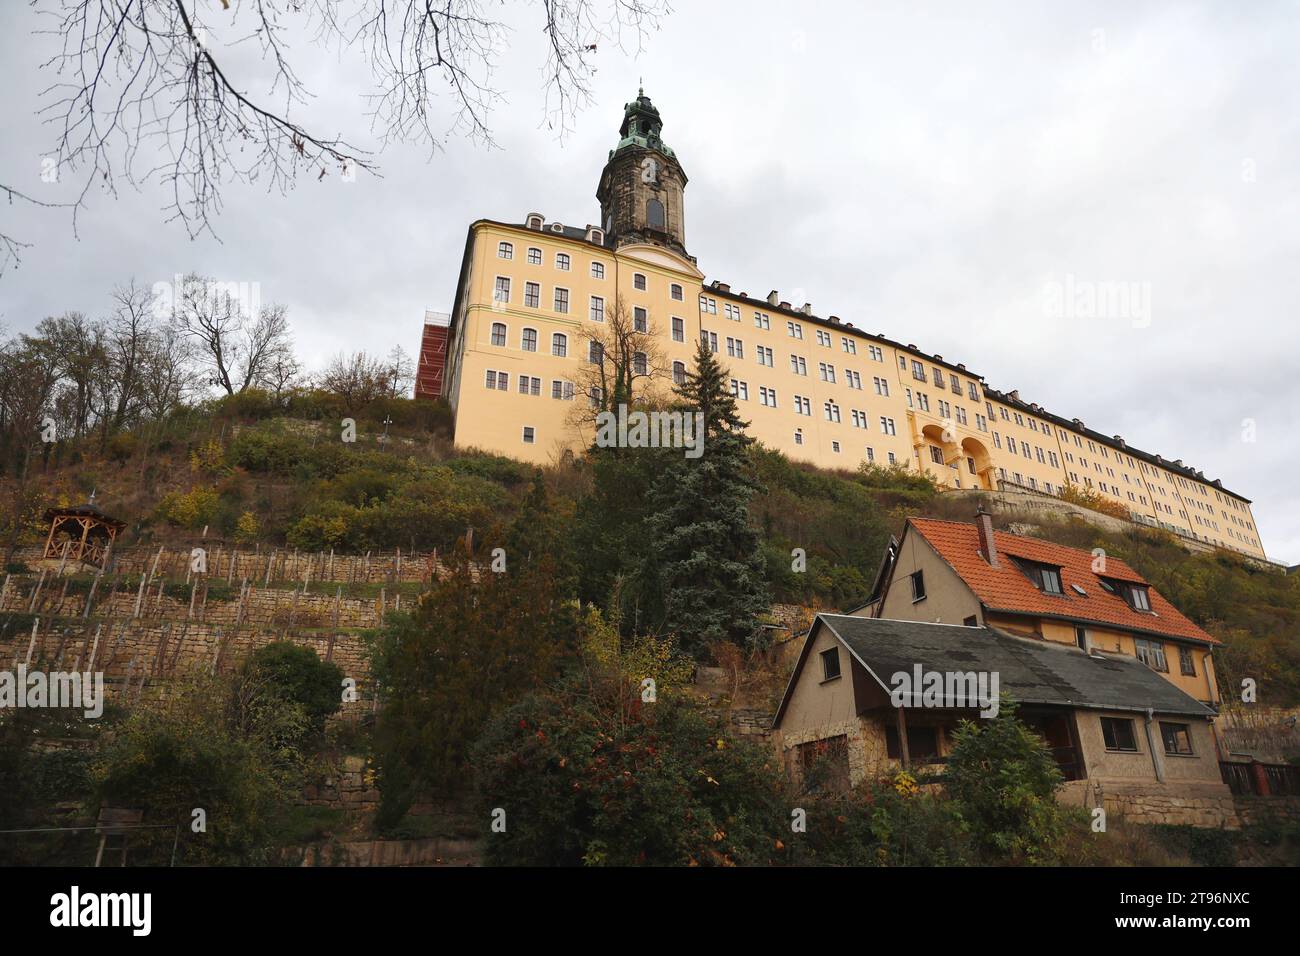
[
  {"x": 806, "y": 308},
  {"x": 988, "y": 547},
  {"x": 773, "y": 297}
]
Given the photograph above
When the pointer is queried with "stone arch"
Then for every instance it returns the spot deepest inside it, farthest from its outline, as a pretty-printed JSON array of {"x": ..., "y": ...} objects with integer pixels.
[{"x": 978, "y": 462}]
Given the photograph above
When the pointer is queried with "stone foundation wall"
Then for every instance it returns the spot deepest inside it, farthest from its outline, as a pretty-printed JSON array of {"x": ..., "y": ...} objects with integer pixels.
[
  {"x": 1199, "y": 805},
  {"x": 868, "y": 757}
]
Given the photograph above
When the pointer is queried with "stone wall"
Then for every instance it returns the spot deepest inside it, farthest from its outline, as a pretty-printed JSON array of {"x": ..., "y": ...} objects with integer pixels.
[{"x": 1199, "y": 805}]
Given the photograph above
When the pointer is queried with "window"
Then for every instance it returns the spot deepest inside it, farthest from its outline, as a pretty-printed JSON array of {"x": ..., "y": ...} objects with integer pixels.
[
  {"x": 499, "y": 334},
  {"x": 639, "y": 363},
  {"x": 794, "y": 330},
  {"x": 936, "y": 454},
  {"x": 876, "y": 353},
  {"x": 918, "y": 371},
  {"x": 740, "y": 390},
  {"x": 1081, "y": 638},
  {"x": 679, "y": 373},
  {"x": 528, "y": 340},
  {"x": 918, "y": 586},
  {"x": 1177, "y": 739},
  {"x": 598, "y": 270},
  {"x": 802, "y": 406},
  {"x": 532, "y": 295},
  {"x": 679, "y": 330},
  {"x": 1045, "y": 577},
  {"x": 534, "y": 256},
  {"x": 560, "y": 345},
  {"x": 798, "y": 436},
  {"x": 505, "y": 250},
  {"x": 767, "y": 396},
  {"x": 501, "y": 292},
  {"x": 529, "y": 386},
  {"x": 638, "y": 281},
  {"x": 676, "y": 291},
  {"x": 1138, "y": 598},
  {"x": 922, "y": 743},
  {"x": 830, "y": 664},
  {"x": 887, "y": 426},
  {"x": 596, "y": 395},
  {"x": 640, "y": 319},
  {"x": 827, "y": 372},
  {"x": 832, "y": 412},
  {"x": 732, "y": 312},
  {"x": 530, "y": 434},
  {"x": 708, "y": 305},
  {"x": 823, "y": 338},
  {"x": 562, "y": 390},
  {"x": 798, "y": 365},
  {"x": 562, "y": 261},
  {"x": 1152, "y": 654},
  {"x": 710, "y": 339},
  {"x": 1185, "y": 663},
  {"x": 849, "y": 345},
  {"x": 735, "y": 348},
  {"x": 561, "y": 300},
  {"x": 595, "y": 352},
  {"x": 1117, "y": 732},
  {"x": 597, "y": 309},
  {"x": 882, "y": 386},
  {"x": 498, "y": 380},
  {"x": 762, "y": 321},
  {"x": 973, "y": 391},
  {"x": 938, "y": 376},
  {"x": 654, "y": 214},
  {"x": 764, "y": 356}
]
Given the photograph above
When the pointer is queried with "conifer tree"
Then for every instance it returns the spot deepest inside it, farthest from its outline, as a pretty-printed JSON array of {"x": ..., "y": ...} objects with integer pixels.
[{"x": 703, "y": 558}]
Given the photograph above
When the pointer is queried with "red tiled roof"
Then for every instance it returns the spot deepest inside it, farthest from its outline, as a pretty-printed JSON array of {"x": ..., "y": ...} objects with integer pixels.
[{"x": 1006, "y": 588}]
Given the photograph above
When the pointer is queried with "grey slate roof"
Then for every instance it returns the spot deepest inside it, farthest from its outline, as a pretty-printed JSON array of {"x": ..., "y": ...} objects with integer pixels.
[{"x": 1030, "y": 671}]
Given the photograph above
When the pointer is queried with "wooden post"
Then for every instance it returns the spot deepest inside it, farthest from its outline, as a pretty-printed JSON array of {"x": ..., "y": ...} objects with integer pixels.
[
  {"x": 902, "y": 739},
  {"x": 4, "y": 592},
  {"x": 338, "y": 599},
  {"x": 90, "y": 598},
  {"x": 36, "y": 593},
  {"x": 270, "y": 560},
  {"x": 31, "y": 645},
  {"x": 193, "y": 590},
  {"x": 94, "y": 649},
  {"x": 64, "y": 559},
  {"x": 139, "y": 598}
]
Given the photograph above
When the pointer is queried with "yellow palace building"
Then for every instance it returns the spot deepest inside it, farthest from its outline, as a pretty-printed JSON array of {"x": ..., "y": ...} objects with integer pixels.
[{"x": 537, "y": 303}]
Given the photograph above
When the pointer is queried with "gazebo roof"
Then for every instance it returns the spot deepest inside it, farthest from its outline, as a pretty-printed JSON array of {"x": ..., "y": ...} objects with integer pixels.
[{"x": 85, "y": 510}]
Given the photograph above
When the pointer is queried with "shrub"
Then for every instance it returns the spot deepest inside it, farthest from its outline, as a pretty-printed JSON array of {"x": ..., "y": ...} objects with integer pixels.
[
  {"x": 296, "y": 674},
  {"x": 192, "y": 509},
  {"x": 121, "y": 446}
]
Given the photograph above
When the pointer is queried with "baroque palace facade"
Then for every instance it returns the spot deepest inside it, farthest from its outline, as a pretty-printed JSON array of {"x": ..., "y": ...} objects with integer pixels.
[{"x": 510, "y": 360}]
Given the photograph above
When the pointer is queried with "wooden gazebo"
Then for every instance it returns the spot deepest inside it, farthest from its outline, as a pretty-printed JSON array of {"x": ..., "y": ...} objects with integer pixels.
[{"x": 81, "y": 533}]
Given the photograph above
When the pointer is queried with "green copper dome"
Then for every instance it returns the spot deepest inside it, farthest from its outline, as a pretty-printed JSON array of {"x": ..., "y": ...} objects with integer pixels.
[{"x": 641, "y": 127}]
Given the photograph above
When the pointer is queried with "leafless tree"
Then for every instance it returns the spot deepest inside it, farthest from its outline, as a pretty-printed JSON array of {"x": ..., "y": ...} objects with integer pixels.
[
  {"x": 621, "y": 364},
  {"x": 399, "y": 373},
  {"x": 151, "y": 89},
  {"x": 168, "y": 376},
  {"x": 356, "y": 379},
  {"x": 238, "y": 341}
]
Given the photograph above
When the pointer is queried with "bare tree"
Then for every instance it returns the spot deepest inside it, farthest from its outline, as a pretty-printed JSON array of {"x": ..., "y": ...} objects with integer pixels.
[
  {"x": 399, "y": 372},
  {"x": 129, "y": 330},
  {"x": 151, "y": 84},
  {"x": 238, "y": 341},
  {"x": 356, "y": 379},
  {"x": 168, "y": 376},
  {"x": 622, "y": 364}
]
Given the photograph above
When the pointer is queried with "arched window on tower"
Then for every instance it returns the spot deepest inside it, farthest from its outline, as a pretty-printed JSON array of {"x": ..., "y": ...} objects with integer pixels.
[{"x": 654, "y": 214}]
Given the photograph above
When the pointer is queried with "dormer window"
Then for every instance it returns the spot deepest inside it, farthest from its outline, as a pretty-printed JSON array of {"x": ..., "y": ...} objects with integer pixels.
[
  {"x": 535, "y": 222},
  {"x": 1138, "y": 598},
  {"x": 1045, "y": 577}
]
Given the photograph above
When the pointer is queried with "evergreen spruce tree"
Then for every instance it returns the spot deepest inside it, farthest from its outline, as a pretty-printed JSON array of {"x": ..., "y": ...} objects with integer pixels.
[{"x": 703, "y": 556}]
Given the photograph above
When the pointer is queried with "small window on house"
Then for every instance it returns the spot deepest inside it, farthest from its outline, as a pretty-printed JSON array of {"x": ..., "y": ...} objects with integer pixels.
[
  {"x": 505, "y": 250},
  {"x": 562, "y": 261},
  {"x": 528, "y": 341},
  {"x": 971, "y": 621},
  {"x": 676, "y": 292},
  {"x": 638, "y": 282},
  {"x": 534, "y": 256},
  {"x": 830, "y": 664},
  {"x": 1139, "y": 599},
  {"x": 1152, "y": 654},
  {"x": 1185, "y": 662},
  {"x": 1117, "y": 732},
  {"x": 534, "y": 222},
  {"x": 640, "y": 364},
  {"x": 530, "y": 435},
  {"x": 922, "y": 744},
  {"x": 1177, "y": 739},
  {"x": 918, "y": 586},
  {"x": 560, "y": 345},
  {"x": 679, "y": 373},
  {"x": 1081, "y": 638},
  {"x": 499, "y": 334},
  {"x": 598, "y": 270}
]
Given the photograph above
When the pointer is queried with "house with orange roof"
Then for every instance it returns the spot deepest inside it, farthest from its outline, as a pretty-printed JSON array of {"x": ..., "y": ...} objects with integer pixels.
[{"x": 952, "y": 572}]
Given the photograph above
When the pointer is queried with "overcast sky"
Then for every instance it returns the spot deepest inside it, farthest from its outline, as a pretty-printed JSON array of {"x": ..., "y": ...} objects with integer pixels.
[{"x": 931, "y": 171}]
